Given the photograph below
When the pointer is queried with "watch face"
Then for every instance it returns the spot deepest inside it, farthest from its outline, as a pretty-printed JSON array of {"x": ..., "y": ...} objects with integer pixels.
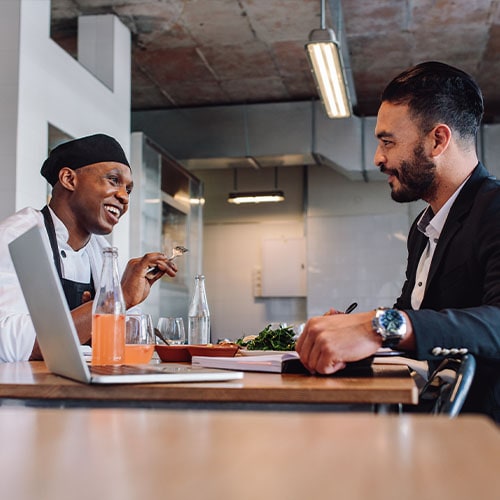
[{"x": 391, "y": 320}]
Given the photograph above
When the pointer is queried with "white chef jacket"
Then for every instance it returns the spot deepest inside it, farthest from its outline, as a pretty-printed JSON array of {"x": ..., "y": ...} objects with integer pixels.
[{"x": 17, "y": 335}]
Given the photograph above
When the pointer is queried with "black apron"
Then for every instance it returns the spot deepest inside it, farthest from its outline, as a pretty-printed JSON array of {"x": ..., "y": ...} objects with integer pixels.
[{"x": 73, "y": 290}]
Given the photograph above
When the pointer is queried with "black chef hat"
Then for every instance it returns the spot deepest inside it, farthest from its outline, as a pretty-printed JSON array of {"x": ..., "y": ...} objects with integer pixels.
[{"x": 80, "y": 153}]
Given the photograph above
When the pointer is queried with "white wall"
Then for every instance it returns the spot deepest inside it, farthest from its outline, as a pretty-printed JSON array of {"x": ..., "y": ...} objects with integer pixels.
[
  {"x": 232, "y": 252},
  {"x": 356, "y": 243},
  {"x": 9, "y": 79}
]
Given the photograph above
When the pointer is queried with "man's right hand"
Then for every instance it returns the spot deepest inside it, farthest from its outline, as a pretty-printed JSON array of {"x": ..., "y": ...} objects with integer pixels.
[{"x": 136, "y": 283}]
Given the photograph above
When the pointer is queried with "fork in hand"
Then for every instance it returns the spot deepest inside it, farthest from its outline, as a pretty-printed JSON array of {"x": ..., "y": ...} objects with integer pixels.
[{"x": 176, "y": 252}]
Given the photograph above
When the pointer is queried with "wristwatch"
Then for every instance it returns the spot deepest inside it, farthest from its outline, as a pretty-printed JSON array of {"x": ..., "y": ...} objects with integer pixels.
[{"x": 390, "y": 324}]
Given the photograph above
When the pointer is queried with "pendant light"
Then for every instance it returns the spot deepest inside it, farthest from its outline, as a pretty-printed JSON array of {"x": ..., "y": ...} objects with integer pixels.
[
  {"x": 239, "y": 197},
  {"x": 325, "y": 58}
]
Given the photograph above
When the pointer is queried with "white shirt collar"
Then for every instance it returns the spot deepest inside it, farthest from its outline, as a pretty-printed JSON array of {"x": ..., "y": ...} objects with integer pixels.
[
  {"x": 431, "y": 225},
  {"x": 62, "y": 234}
]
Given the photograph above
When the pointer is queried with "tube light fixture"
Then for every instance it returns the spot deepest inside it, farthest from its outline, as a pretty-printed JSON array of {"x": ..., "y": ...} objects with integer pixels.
[
  {"x": 325, "y": 58},
  {"x": 238, "y": 197},
  {"x": 255, "y": 197}
]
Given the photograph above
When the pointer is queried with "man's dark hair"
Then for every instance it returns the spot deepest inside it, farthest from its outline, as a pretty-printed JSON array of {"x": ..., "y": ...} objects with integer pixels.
[{"x": 438, "y": 93}]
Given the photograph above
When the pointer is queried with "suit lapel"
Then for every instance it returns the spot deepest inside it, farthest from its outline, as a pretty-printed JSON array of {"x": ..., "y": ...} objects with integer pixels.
[
  {"x": 418, "y": 243},
  {"x": 454, "y": 221}
]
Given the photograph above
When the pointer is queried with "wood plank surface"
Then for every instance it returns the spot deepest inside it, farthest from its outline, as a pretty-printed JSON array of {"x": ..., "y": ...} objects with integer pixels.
[
  {"x": 390, "y": 384},
  {"x": 122, "y": 454}
]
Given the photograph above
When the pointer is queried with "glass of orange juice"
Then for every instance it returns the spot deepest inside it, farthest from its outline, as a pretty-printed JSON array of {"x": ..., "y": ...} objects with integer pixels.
[{"x": 139, "y": 339}]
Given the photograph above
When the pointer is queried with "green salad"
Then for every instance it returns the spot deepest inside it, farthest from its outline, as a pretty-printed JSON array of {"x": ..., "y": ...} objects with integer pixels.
[{"x": 280, "y": 339}]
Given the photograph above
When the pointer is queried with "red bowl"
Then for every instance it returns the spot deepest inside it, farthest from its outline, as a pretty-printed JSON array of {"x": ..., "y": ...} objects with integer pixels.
[
  {"x": 173, "y": 353},
  {"x": 213, "y": 350}
]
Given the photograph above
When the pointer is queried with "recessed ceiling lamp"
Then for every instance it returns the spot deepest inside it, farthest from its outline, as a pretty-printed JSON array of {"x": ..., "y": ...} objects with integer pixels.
[
  {"x": 325, "y": 57},
  {"x": 239, "y": 197}
]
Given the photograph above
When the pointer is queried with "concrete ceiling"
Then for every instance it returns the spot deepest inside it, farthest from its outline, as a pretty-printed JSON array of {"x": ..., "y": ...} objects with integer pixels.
[{"x": 216, "y": 52}]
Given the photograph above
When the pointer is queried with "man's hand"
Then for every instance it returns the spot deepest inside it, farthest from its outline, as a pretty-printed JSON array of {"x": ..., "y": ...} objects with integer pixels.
[
  {"x": 136, "y": 284},
  {"x": 328, "y": 342}
]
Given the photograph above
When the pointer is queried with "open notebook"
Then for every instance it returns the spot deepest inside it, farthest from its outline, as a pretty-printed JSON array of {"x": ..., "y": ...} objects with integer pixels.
[{"x": 56, "y": 331}]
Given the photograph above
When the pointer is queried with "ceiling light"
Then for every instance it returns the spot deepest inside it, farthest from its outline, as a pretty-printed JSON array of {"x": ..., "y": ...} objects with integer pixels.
[
  {"x": 255, "y": 197},
  {"x": 325, "y": 57},
  {"x": 239, "y": 197}
]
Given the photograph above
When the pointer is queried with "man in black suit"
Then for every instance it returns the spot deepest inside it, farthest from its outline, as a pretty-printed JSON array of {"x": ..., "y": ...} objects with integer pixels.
[{"x": 426, "y": 129}]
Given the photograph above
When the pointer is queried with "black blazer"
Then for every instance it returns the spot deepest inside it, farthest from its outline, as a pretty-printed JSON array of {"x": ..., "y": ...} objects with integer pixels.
[{"x": 461, "y": 305}]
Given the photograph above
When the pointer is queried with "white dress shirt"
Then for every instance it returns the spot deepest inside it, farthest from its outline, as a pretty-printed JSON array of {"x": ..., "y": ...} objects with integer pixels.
[{"x": 17, "y": 335}]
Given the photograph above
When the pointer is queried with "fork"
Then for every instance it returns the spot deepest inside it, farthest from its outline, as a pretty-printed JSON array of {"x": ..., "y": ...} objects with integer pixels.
[{"x": 176, "y": 252}]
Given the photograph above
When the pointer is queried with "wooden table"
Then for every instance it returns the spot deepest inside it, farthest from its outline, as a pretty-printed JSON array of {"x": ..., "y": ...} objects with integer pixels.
[
  {"x": 122, "y": 454},
  {"x": 390, "y": 384}
]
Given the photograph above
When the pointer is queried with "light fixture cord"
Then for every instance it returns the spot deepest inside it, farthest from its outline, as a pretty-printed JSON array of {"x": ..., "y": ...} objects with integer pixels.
[
  {"x": 339, "y": 22},
  {"x": 322, "y": 21},
  {"x": 245, "y": 125},
  {"x": 235, "y": 179},
  {"x": 334, "y": 6},
  {"x": 275, "y": 177}
]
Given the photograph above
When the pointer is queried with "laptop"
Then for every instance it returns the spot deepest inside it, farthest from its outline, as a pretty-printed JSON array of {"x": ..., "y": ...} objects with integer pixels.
[{"x": 56, "y": 331}]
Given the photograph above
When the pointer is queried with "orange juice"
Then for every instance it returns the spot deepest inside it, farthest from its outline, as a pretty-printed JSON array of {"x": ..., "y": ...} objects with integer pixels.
[
  {"x": 136, "y": 354},
  {"x": 108, "y": 339}
]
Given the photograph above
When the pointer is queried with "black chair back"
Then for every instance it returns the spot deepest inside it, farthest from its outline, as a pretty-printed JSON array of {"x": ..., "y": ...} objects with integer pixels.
[{"x": 448, "y": 386}]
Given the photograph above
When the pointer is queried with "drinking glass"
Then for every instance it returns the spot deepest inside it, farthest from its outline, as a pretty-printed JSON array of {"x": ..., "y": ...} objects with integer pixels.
[
  {"x": 139, "y": 339},
  {"x": 172, "y": 330}
]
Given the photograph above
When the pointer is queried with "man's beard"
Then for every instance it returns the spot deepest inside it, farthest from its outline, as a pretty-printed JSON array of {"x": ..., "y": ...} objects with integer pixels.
[{"x": 417, "y": 178}]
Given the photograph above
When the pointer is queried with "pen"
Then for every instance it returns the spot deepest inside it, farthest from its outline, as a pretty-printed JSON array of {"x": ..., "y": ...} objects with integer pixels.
[{"x": 351, "y": 308}]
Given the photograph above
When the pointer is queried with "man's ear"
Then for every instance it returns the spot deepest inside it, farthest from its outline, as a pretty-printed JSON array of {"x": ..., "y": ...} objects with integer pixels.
[
  {"x": 67, "y": 178},
  {"x": 441, "y": 137}
]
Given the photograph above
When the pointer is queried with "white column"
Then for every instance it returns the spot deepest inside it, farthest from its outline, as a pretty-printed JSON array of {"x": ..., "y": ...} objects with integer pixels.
[{"x": 10, "y": 13}]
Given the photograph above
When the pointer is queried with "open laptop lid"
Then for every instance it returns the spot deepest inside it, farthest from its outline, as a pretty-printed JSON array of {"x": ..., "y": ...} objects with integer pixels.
[{"x": 49, "y": 311}]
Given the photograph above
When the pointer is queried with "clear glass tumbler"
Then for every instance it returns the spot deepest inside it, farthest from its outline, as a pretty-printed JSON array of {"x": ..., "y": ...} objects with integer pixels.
[{"x": 172, "y": 330}]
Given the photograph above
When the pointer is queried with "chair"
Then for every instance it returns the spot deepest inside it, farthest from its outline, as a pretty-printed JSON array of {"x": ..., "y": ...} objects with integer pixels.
[{"x": 448, "y": 385}]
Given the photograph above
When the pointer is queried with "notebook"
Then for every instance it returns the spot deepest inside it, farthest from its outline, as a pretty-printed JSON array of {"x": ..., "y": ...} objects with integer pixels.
[
  {"x": 273, "y": 363},
  {"x": 276, "y": 363},
  {"x": 56, "y": 331}
]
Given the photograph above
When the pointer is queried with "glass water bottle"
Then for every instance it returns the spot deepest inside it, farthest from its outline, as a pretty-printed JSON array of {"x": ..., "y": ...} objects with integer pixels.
[
  {"x": 108, "y": 314},
  {"x": 199, "y": 315}
]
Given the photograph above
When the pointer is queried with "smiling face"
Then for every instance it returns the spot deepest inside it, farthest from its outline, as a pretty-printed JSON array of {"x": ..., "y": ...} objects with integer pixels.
[
  {"x": 100, "y": 196},
  {"x": 401, "y": 154}
]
